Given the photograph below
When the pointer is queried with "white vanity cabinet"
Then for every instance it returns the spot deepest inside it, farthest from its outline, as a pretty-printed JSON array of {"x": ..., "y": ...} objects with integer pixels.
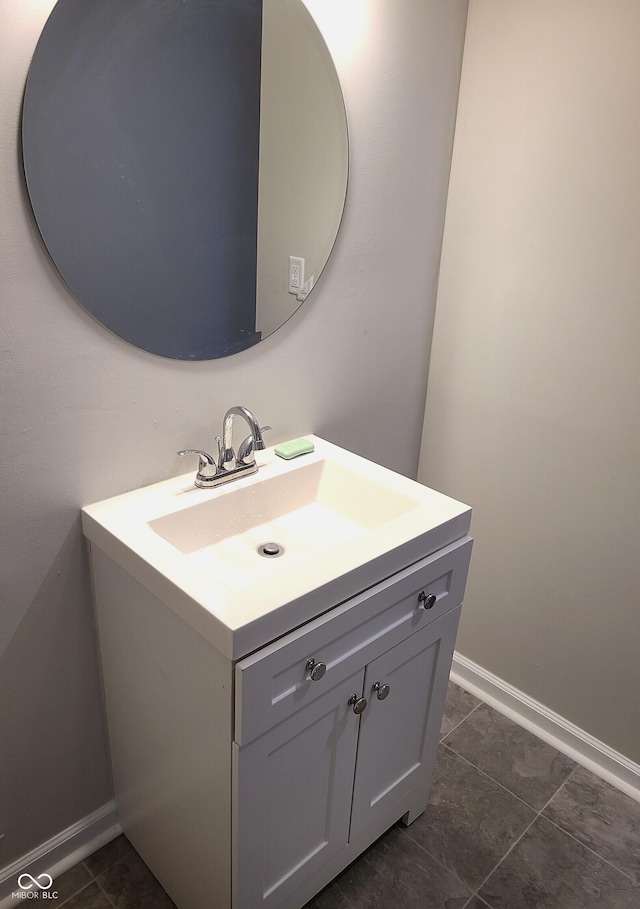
[
  {"x": 322, "y": 768},
  {"x": 249, "y": 783},
  {"x": 325, "y": 783}
]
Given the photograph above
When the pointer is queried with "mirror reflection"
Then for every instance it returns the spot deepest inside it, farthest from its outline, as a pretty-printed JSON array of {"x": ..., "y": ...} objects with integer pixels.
[{"x": 186, "y": 162}]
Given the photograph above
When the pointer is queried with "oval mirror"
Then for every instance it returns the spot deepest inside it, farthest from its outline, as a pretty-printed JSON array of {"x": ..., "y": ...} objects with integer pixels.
[{"x": 186, "y": 162}]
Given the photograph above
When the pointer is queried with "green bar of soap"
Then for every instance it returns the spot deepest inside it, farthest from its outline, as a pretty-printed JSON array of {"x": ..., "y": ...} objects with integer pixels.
[{"x": 293, "y": 449}]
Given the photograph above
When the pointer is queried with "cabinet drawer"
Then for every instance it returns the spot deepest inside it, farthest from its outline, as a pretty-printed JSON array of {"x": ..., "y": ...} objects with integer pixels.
[{"x": 274, "y": 682}]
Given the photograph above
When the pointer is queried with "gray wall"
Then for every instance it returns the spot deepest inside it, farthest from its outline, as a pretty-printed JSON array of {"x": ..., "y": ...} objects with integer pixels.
[
  {"x": 533, "y": 410},
  {"x": 85, "y": 416}
]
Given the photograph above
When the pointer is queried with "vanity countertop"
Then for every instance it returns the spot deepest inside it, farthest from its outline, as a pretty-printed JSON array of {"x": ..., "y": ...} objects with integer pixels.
[{"x": 180, "y": 542}]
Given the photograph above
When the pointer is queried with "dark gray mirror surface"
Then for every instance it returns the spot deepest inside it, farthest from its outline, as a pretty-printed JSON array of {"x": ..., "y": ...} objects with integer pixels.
[{"x": 177, "y": 154}]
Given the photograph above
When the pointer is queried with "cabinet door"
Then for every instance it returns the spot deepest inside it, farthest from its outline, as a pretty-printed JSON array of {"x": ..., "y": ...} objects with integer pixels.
[
  {"x": 399, "y": 733},
  {"x": 292, "y": 791}
]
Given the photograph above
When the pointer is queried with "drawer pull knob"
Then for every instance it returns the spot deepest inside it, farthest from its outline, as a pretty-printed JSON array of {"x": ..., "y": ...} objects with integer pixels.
[
  {"x": 381, "y": 690},
  {"x": 427, "y": 600},
  {"x": 315, "y": 671},
  {"x": 359, "y": 704}
]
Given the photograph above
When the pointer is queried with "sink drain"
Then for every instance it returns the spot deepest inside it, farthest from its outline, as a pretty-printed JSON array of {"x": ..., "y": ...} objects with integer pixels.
[{"x": 270, "y": 550}]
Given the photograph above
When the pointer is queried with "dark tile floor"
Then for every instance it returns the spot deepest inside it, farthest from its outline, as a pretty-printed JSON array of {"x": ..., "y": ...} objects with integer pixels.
[{"x": 511, "y": 824}]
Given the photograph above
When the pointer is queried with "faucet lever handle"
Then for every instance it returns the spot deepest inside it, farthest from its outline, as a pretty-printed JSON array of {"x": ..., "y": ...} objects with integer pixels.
[
  {"x": 205, "y": 458},
  {"x": 207, "y": 469},
  {"x": 247, "y": 446},
  {"x": 260, "y": 446}
]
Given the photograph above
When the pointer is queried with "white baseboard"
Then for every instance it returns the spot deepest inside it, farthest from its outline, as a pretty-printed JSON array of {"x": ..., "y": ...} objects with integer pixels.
[
  {"x": 552, "y": 728},
  {"x": 61, "y": 852}
]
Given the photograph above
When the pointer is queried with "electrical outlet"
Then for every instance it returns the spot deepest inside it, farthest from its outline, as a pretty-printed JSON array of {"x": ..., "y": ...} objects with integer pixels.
[{"x": 296, "y": 274}]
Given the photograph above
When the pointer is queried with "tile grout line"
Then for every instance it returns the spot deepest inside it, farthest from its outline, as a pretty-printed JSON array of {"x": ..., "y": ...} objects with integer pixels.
[
  {"x": 507, "y": 853},
  {"x": 94, "y": 880},
  {"x": 80, "y": 889},
  {"x": 561, "y": 829},
  {"x": 112, "y": 900},
  {"x": 475, "y": 893},
  {"x": 103, "y": 891},
  {"x": 527, "y": 828},
  {"x": 504, "y": 788},
  {"x": 575, "y": 838},
  {"x": 494, "y": 781},
  {"x": 476, "y": 896},
  {"x": 592, "y": 851},
  {"x": 463, "y": 720},
  {"x": 406, "y": 832}
]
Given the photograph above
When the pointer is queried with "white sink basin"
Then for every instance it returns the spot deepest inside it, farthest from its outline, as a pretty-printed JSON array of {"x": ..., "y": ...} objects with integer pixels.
[
  {"x": 332, "y": 524},
  {"x": 278, "y": 523}
]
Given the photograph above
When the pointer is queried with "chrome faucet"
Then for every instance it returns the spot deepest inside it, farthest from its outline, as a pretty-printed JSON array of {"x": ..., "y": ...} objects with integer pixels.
[
  {"x": 227, "y": 459},
  {"x": 229, "y": 465}
]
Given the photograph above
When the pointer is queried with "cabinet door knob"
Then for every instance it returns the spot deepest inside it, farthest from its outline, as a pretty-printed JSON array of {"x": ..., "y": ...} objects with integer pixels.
[
  {"x": 359, "y": 704},
  {"x": 427, "y": 600},
  {"x": 315, "y": 671},
  {"x": 381, "y": 690}
]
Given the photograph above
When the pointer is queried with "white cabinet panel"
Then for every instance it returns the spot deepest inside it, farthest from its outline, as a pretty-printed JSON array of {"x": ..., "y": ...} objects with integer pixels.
[
  {"x": 399, "y": 734},
  {"x": 293, "y": 788}
]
